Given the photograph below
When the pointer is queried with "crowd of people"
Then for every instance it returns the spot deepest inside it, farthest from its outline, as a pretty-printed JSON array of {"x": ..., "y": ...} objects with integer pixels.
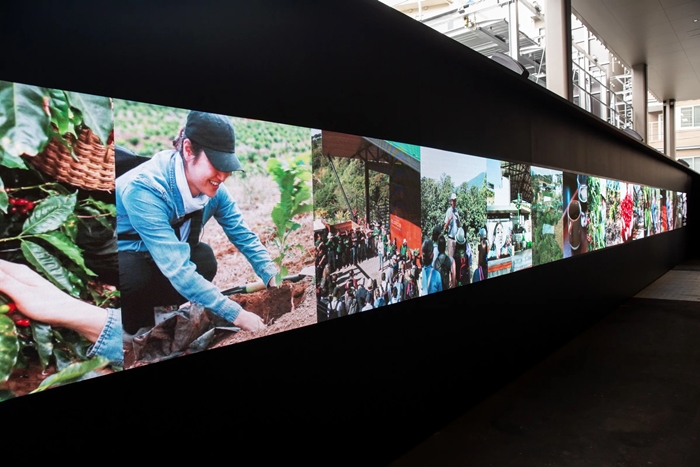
[
  {"x": 446, "y": 260},
  {"x": 398, "y": 283},
  {"x": 449, "y": 257},
  {"x": 453, "y": 270},
  {"x": 335, "y": 254}
]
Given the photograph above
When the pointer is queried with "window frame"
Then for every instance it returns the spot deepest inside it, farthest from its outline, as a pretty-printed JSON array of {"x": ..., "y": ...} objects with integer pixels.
[{"x": 694, "y": 118}]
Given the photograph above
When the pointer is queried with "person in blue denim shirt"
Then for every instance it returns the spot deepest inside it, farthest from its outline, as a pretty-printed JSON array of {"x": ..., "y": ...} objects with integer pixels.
[
  {"x": 39, "y": 300},
  {"x": 161, "y": 207}
]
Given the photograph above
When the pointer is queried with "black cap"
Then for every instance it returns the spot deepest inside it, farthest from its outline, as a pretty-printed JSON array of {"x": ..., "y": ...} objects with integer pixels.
[{"x": 214, "y": 133}]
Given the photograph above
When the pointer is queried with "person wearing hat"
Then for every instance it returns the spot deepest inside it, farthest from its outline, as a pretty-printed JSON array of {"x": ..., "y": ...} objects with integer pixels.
[
  {"x": 161, "y": 207},
  {"x": 451, "y": 224},
  {"x": 463, "y": 259}
]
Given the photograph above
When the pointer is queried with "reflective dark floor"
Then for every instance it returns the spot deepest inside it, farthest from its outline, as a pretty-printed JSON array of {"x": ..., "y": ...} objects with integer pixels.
[{"x": 624, "y": 393}]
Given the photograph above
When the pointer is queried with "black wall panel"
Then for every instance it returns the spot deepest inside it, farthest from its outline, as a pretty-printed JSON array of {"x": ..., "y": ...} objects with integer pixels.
[{"x": 362, "y": 389}]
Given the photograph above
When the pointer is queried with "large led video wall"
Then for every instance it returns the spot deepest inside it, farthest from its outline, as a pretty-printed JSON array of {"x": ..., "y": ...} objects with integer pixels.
[{"x": 132, "y": 233}]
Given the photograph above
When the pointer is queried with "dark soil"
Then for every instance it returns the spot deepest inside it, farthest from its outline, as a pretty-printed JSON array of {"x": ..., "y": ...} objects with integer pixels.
[
  {"x": 291, "y": 306},
  {"x": 268, "y": 304},
  {"x": 302, "y": 312}
]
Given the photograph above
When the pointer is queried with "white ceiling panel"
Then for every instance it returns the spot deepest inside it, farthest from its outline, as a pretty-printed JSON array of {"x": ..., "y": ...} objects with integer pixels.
[
  {"x": 672, "y": 3},
  {"x": 692, "y": 46},
  {"x": 632, "y": 4},
  {"x": 683, "y": 25},
  {"x": 659, "y": 40},
  {"x": 656, "y": 29},
  {"x": 636, "y": 25},
  {"x": 686, "y": 72},
  {"x": 655, "y": 14},
  {"x": 686, "y": 10},
  {"x": 679, "y": 57},
  {"x": 655, "y": 52},
  {"x": 660, "y": 33}
]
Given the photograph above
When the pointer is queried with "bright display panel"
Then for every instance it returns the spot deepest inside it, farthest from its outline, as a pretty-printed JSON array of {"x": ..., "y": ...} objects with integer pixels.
[
  {"x": 245, "y": 268},
  {"x": 133, "y": 233},
  {"x": 59, "y": 296},
  {"x": 366, "y": 222}
]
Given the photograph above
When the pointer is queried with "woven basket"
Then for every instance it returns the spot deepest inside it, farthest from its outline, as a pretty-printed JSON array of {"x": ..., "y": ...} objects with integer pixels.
[{"x": 94, "y": 169}]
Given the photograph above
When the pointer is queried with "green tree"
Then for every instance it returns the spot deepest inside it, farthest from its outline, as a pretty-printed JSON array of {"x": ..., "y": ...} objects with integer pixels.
[
  {"x": 471, "y": 204},
  {"x": 328, "y": 197}
]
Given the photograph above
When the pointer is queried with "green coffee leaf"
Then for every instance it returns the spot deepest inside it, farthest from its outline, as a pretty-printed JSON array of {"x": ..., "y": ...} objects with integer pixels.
[
  {"x": 99, "y": 216},
  {"x": 10, "y": 161},
  {"x": 304, "y": 208},
  {"x": 106, "y": 208},
  {"x": 96, "y": 112},
  {"x": 9, "y": 347},
  {"x": 68, "y": 248},
  {"x": 24, "y": 128},
  {"x": 74, "y": 342},
  {"x": 294, "y": 191},
  {"x": 72, "y": 373},
  {"x": 70, "y": 227},
  {"x": 48, "y": 266},
  {"x": 44, "y": 342},
  {"x": 4, "y": 200},
  {"x": 60, "y": 110},
  {"x": 62, "y": 359},
  {"x": 50, "y": 214}
]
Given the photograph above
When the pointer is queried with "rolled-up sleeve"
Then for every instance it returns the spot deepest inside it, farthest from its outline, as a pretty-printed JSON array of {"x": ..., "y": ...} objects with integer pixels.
[{"x": 109, "y": 344}]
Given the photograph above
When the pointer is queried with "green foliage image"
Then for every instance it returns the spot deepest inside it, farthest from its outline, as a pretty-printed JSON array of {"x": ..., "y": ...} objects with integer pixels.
[
  {"x": 44, "y": 224},
  {"x": 471, "y": 204},
  {"x": 147, "y": 129},
  {"x": 292, "y": 177},
  {"x": 547, "y": 212},
  {"x": 329, "y": 202}
]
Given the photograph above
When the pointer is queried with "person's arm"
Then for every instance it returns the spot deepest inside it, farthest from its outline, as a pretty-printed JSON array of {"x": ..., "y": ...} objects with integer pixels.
[
  {"x": 149, "y": 216},
  {"x": 448, "y": 218},
  {"x": 39, "y": 300},
  {"x": 227, "y": 214}
]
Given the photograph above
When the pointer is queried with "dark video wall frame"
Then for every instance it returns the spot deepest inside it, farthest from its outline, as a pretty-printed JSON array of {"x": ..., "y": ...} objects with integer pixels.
[{"x": 366, "y": 388}]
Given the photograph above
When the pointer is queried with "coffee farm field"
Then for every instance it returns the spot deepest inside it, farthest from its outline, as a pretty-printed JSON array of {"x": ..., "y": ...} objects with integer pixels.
[{"x": 147, "y": 129}]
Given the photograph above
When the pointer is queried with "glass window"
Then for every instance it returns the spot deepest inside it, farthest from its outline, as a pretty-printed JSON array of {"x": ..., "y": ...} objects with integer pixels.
[{"x": 690, "y": 116}]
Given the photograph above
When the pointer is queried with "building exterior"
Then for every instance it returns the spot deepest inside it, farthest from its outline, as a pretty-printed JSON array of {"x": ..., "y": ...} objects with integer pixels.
[{"x": 687, "y": 124}]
